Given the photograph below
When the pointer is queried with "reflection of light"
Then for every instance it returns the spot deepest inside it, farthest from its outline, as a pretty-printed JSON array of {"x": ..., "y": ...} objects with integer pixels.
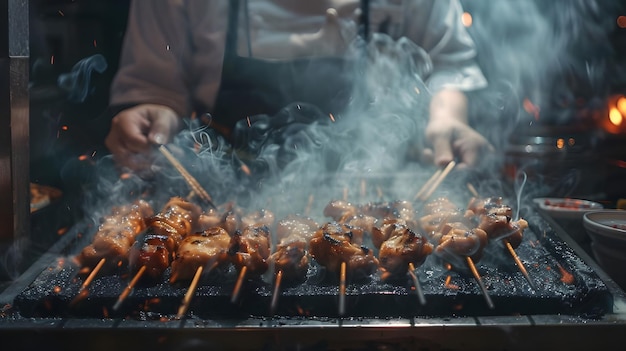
[
  {"x": 571, "y": 141},
  {"x": 466, "y": 19},
  {"x": 621, "y": 105},
  {"x": 560, "y": 143},
  {"x": 615, "y": 116},
  {"x": 621, "y": 21}
]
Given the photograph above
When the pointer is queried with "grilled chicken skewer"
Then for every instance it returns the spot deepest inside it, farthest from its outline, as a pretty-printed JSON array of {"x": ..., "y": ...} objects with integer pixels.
[
  {"x": 153, "y": 250},
  {"x": 249, "y": 250},
  {"x": 291, "y": 259},
  {"x": 109, "y": 247},
  {"x": 335, "y": 246},
  {"x": 450, "y": 229},
  {"x": 116, "y": 235},
  {"x": 495, "y": 218}
]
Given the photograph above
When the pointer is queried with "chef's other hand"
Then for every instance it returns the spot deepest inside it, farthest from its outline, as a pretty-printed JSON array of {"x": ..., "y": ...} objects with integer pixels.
[
  {"x": 450, "y": 135},
  {"x": 136, "y": 130}
]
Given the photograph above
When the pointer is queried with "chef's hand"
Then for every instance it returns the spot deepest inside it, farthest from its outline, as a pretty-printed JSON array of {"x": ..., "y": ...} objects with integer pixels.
[
  {"x": 449, "y": 134},
  {"x": 136, "y": 130}
]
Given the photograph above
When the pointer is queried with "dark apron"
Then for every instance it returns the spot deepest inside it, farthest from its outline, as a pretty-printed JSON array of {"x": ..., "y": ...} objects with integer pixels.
[{"x": 253, "y": 89}]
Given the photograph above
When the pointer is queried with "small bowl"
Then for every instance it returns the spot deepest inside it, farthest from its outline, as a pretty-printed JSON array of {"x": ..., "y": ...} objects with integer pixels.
[
  {"x": 607, "y": 230},
  {"x": 566, "y": 208},
  {"x": 607, "y": 227}
]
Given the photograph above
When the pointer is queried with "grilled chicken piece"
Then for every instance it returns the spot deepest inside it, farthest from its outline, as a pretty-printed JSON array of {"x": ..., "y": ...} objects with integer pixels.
[
  {"x": 457, "y": 240},
  {"x": 151, "y": 251},
  {"x": 156, "y": 248},
  {"x": 203, "y": 249},
  {"x": 251, "y": 248},
  {"x": 291, "y": 255},
  {"x": 389, "y": 227},
  {"x": 116, "y": 235},
  {"x": 332, "y": 244},
  {"x": 494, "y": 217},
  {"x": 403, "y": 246},
  {"x": 339, "y": 210}
]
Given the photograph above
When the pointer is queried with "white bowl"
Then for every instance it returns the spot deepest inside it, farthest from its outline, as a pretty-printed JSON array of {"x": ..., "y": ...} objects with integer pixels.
[
  {"x": 607, "y": 230},
  {"x": 566, "y": 208},
  {"x": 607, "y": 227}
]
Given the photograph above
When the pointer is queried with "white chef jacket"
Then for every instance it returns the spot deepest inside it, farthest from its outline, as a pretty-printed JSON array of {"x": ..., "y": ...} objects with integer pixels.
[{"x": 173, "y": 50}]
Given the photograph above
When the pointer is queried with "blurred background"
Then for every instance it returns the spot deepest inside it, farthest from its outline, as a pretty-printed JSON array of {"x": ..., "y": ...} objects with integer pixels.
[{"x": 557, "y": 73}]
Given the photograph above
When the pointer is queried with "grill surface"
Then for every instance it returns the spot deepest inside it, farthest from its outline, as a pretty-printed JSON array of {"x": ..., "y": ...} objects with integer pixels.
[
  {"x": 549, "y": 261},
  {"x": 542, "y": 331}
]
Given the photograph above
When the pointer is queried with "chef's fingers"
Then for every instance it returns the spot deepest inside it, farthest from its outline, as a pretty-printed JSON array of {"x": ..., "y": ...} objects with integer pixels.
[
  {"x": 442, "y": 149},
  {"x": 163, "y": 125},
  {"x": 128, "y": 132}
]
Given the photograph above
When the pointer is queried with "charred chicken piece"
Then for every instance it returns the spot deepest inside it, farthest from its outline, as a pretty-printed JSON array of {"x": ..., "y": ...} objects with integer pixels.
[
  {"x": 208, "y": 248},
  {"x": 156, "y": 248},
  {"x": 333, "y": 244},
  {"x": 115, "y": 235},
  {"x": 251, "y": 248},
  {"x": 291, "y": 255},
  {"x": 402, "y": 247},
  {"x": 151, "y": 251}
]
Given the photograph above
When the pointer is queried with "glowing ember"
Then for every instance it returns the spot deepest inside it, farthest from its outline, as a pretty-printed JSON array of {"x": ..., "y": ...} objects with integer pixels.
[
  {"x": 531, "y": 108},
  {"x": 125, "y": 176},
  {"x": 83, "y": 157},
  {"x": 56, "y": 289},
  {"x": 62, "y": 231},
  {"x": 621, "y": 21},
  {"x": 566, "y": 277}
]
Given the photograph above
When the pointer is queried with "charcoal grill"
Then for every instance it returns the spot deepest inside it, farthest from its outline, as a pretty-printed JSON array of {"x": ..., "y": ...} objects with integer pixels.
[{"x": 588, "y": 313}]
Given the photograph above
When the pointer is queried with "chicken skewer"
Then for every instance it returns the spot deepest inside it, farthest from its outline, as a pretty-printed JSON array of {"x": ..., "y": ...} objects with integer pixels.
[
  {"x": 291, "y": 259},
  {"x": 109, "y": 247},
  {"x": 249, "y": 250},
  {"x": 495, "y": 218},
  {"x": 400, "y": 248},
  {"x": 335, "y": 246},
  {"x": 153, "y": 250},
  {"x": 448, "y": 227}
]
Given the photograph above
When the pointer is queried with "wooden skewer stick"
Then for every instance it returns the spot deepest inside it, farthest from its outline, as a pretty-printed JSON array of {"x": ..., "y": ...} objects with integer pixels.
[
  {"x": 277, "y": 282},
  {"x": 472, "y": 189},
  {"x": 479, "y": 280},
  {"x": 439, "y": 180},
  {"x": 416, "y": 283},
  {"x": 238, "y": 284},
  {"x": 428, "y": 184},
  {"x": 190, "y": 292},
  {"x": 92, "y": 275},
  {"x": 83, "y": 292},
  {"x": 342, "y": 289},
  {"x": 129, "y": 288},
  {"x": 193, "y": 183},
  {"x": 520, "y": 265}
]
